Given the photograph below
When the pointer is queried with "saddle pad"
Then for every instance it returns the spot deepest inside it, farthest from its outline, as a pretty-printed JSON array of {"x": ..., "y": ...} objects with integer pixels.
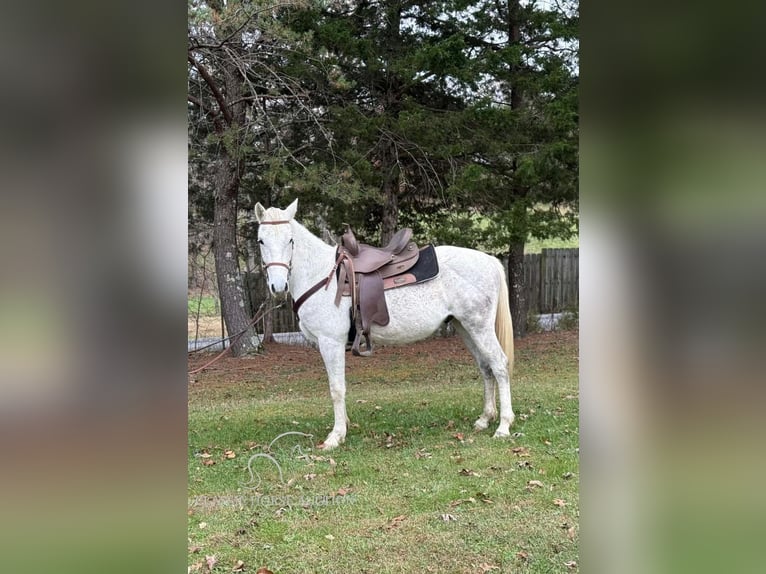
[{"x": 427, "y": 266}]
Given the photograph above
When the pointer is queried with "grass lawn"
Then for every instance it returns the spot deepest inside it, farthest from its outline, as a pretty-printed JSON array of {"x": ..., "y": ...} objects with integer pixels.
[
  {"x": 413, "y": 489},
  {"x": 537, "y": 245}
]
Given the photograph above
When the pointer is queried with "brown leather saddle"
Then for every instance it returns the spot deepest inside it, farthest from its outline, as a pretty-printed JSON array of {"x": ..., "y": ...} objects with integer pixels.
[{"x": 365, "y": 272}]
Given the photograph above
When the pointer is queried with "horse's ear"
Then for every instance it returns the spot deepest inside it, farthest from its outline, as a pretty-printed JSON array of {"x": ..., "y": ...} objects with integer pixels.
[
  {"x": 291, "y": 209},
  {"x": 259, "y": 212}
]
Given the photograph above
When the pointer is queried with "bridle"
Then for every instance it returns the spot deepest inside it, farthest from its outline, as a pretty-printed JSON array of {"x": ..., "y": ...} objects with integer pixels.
[
  {"x": 287, "y": 266},
  {"x": 325, "y": 282}
]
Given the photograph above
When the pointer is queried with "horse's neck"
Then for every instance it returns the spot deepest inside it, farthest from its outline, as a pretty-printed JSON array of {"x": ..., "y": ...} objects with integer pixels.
[{"x": 312, "y": 260}]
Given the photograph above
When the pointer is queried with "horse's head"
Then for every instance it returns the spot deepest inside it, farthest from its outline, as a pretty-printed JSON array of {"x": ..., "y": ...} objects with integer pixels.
[{"x": 275, "y": 237}]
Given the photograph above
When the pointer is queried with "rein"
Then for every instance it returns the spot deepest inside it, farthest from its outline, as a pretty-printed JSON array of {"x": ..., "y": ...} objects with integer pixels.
[{"x": 321, "y": 283}]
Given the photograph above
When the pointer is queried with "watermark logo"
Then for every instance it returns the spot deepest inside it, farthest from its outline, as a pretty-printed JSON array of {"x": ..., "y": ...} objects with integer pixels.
[
  {"x": 285, "y": 461},
  {"x": 255, "y": 463}
]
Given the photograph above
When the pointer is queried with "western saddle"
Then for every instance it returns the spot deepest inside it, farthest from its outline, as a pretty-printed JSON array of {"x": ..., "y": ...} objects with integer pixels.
[{"x": 365, "y": 272}]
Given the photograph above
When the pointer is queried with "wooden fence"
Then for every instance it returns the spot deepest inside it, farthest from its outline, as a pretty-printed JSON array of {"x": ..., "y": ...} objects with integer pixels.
[
  {"x": 552, "y": 280},
  {"x": 551, "y": 277}
]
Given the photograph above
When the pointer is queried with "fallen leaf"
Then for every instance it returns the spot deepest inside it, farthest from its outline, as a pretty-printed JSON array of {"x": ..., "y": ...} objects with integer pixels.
[
  {"x": 559, "y": 502},
  {"x": 520, "y": 451},
  {"x": 239, "y": 566},
  {"x": 394, "y": 522},
  {"x": 571, "y": 533},
  {"x": 263, "y": 570},
  {"x": 567, "y": 475},
  {"x": 449, "y": 518},
  {"x": 195, "y": 567},
  {"x": 203, "y": 525},
  {"x": 422, "y": 454},
  {"x": 205, "y": 455},
  {"x": 485, "y": 567},
  {"x": 571, "y": 564},
  {"x": 310, "y": 476},
  {"x": 208, "y": 462},
  {"x": 522, "y": 555},
  {"x": 343, "y": 491},
  {"x": 524, "y": 464},
  {"x": 458, "y": 502},
  {"x": 211, "y": 561},
  {"x": 330, "y": 537},
  {"x": 450, "y": 425},
  {"x": 194, "y": 549},
  {"x": 458, "y": 436},
  {"x": 229, "y": 454},
  {"x": 361, "y": 401},
  {"x": 468, "y": 472},
  {"x": 536, "y": 483}
]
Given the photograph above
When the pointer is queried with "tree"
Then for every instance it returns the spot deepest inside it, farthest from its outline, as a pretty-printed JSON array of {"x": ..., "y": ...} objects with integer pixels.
[
  {"x": 238, "y": 94},
  {"x": 384, "y": 76},
  {"x": 523, "y": 173},
  {"x": 543, "y": 93}
]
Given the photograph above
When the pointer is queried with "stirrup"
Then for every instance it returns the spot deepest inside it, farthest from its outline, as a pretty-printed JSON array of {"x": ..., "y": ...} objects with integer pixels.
[{"x": 357, "y": 340}]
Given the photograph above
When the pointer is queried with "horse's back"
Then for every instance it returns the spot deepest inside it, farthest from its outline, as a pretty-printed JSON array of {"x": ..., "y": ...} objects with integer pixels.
[{"x": 417, "y": 311}]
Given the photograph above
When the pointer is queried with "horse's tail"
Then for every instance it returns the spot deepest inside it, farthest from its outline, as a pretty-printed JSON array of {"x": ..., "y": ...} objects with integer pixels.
[{"x": 503, "y": 321}]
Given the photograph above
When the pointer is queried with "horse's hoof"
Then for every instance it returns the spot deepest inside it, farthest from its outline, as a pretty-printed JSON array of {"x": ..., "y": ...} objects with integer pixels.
[
  {"x": 330, "y": 443},
  {"x": 501, "y": 434},
  {"x": 480, "y": 425}
]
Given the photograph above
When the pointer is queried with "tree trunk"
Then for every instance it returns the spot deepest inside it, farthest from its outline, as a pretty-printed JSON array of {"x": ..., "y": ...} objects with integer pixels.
[
  {"x": 517, "y": 289},
  {"x": 390, "y": 188},
  {"x": 230, "y": 287},
  {"x": 391, "y": 102},
  {"x": 516, "y": 281}
]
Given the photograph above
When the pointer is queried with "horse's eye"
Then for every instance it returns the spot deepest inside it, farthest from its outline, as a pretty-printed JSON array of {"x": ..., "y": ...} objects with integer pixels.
[
  {"x": 291, "y": 241},
  {"x": 260, "y": 241}
]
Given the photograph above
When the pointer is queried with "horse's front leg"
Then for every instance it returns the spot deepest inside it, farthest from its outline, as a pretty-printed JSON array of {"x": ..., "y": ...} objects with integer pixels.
[{"x": 334, "y": 355}]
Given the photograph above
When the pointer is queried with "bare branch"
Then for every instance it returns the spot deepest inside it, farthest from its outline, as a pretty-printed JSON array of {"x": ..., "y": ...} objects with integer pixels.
[{"x": 213, "y": 88}]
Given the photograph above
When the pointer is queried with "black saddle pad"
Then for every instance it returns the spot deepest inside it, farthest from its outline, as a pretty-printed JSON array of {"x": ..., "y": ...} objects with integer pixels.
[{"x": 427, "y": 266}]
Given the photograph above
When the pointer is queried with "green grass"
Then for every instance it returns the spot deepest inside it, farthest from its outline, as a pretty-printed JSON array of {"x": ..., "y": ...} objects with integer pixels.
[
  {"x": 378, "y": 503},
  {"x": 537, "y": 245},
  {"x": 206, "y": 304}
]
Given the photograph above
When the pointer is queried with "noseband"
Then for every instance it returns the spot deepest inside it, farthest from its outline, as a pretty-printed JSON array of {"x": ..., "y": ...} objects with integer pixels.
[{"x": 287, "y": 266}]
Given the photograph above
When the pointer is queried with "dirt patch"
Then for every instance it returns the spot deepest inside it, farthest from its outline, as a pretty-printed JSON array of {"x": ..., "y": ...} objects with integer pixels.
[
  {"x": 279, "y": 361},
  {"x": 204, "y": 327}
]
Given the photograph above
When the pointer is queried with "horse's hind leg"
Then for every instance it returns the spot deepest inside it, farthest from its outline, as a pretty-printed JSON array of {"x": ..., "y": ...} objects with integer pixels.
[
  {"x": 489, "y": 412},
  {"x": 489, "y": 352}
]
